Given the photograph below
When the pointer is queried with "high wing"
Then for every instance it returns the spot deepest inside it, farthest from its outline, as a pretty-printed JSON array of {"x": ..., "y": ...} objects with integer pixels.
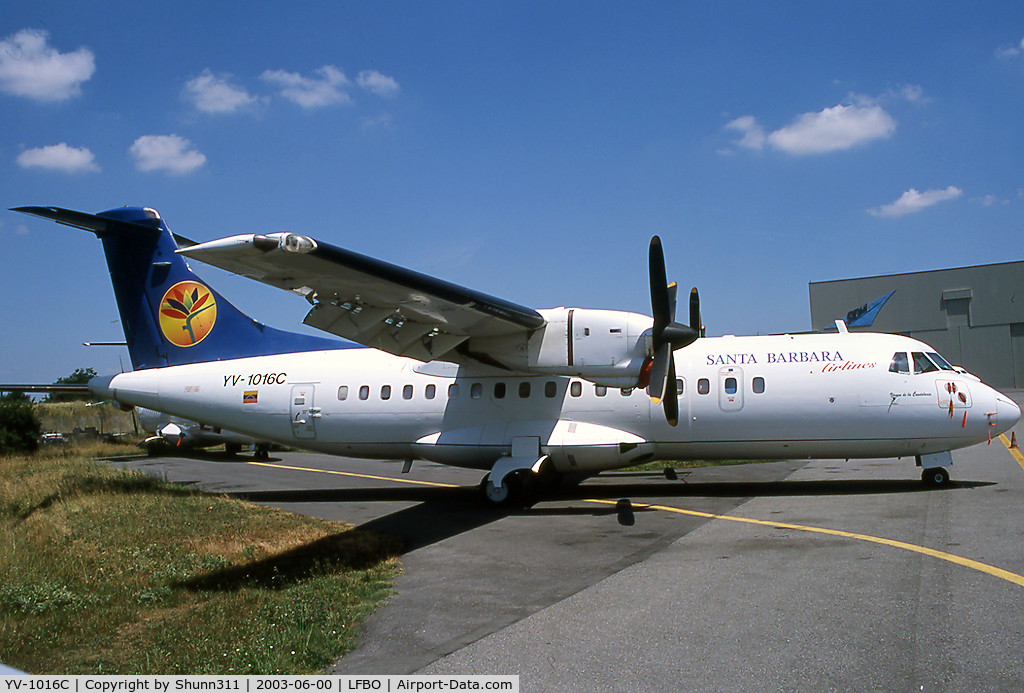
[{"x": 372, "y": 302}]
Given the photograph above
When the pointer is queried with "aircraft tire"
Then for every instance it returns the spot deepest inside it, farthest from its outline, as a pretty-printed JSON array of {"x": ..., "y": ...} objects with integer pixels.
[
  {"x": 508, "y": 495},
  {"x": 937, "y": 476}
]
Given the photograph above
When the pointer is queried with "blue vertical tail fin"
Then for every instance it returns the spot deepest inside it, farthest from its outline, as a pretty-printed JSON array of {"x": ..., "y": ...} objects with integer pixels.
[{"x": 169, "y": 315}]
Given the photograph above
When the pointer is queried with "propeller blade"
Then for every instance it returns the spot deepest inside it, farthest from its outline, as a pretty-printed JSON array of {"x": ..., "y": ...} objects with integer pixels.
[
  {"x": 672, "y": 395},
  {"x": 659, "y": 373},
  {"x": 660, "y": 301},
  {"x": 695, "y": 312}
]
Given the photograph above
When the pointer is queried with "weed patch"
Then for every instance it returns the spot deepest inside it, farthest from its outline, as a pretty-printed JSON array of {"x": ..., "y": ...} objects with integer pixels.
[{"x": 104, "y": 571}]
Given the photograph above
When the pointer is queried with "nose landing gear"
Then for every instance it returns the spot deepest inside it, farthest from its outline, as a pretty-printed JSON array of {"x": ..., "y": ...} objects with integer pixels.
[{"x": 937, "y": 476}]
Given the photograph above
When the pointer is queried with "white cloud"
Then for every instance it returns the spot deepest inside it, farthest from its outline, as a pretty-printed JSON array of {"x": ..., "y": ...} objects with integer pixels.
[
  {"x": 753, "y": 134},
  {"x": 833, "y": 129},
  {"x": 384, "y": 120},
  {"x": 914, "y": 201},
  {"x": 379, "y": 84},
  {"x": 311, "y": 92},
  {"x": 31, "y": 68},
  {"x": 912, "y": 92},
  {"x": 1012, "y": 52},
  {"x": 215, "y": 93},
  {"x": 171, "y": 153},
  {"x": 59, "y": 157}
]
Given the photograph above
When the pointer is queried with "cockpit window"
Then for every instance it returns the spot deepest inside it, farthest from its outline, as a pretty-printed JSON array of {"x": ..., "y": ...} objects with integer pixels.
[
  {"x": 922, "y": 364},
  {"x": 940, "y": 362},
  {"x": 900, "y": 364}
]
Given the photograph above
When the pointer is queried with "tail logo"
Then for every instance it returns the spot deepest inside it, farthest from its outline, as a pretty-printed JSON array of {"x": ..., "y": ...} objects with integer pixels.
[{"x": 187, "y": 313}]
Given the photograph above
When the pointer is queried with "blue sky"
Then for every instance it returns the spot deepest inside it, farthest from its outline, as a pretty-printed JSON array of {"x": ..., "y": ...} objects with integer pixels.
[{"x": 528, "y": 150}]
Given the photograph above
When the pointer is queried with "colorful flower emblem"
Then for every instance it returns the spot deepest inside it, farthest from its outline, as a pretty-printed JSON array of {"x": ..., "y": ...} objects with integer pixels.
[{"x": 187, "y": 313}]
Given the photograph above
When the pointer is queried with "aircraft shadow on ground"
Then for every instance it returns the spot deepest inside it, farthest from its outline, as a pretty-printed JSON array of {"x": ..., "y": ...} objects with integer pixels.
[{"x": 442, "y": 513}]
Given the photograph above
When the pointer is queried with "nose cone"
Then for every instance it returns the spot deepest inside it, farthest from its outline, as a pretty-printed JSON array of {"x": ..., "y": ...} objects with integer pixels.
[{"x": 1007, "y": 412}]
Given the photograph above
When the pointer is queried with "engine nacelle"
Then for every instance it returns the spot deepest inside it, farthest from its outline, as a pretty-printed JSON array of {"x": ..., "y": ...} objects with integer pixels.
[{"x": 606, "y": 347}]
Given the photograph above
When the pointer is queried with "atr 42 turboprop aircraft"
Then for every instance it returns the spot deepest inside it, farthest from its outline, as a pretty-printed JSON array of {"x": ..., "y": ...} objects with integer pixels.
[
  {"x": 462, "y": 378},
  {"x": 184, "y": 434}
]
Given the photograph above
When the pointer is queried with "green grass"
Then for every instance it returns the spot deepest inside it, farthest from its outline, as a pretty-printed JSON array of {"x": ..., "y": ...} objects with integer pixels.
[{"x": 105, "y": 571}]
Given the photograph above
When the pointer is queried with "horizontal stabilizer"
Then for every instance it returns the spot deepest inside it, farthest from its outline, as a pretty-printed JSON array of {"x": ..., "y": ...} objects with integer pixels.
[{"x": 101, "y": 226}]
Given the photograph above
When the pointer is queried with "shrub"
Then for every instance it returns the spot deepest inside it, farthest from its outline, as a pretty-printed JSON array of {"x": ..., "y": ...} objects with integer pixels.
[{"x": 19, "y": 427}]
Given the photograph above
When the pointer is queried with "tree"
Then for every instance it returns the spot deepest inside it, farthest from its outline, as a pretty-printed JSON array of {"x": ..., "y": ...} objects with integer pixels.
[
  {"x": 15, "y": 396},
  {"x": 81, "y": 376},
  {"x": 19, "y": 426}
]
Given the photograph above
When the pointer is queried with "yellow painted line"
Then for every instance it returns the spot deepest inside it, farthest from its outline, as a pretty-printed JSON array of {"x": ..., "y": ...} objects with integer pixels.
[
  {"x": 1013, "y": 451},
  {"x": 942, "y": 555},
  {"x": 358, "y": 476},
  {"x": 924, "y": 550}
]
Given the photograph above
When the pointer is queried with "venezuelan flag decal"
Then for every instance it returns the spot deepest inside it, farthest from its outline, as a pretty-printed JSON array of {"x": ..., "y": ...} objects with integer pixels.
[
  {"x": 250, "y": 396},
  {"x": 187, "y": 313}
]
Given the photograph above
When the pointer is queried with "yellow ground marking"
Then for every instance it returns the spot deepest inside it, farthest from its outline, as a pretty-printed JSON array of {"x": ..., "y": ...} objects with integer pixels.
[
  {"x": 942, "y": 555},
  {"x": 1013, "y": 451},
  {"x": 924, "y": 550},
  {"x": 353, "y": 474}
]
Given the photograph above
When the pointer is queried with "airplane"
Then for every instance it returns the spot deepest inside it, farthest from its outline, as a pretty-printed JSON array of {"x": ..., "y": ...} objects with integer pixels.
[
  {"x": 181, "y": 433},
  {"x": 458, "y": 377}
]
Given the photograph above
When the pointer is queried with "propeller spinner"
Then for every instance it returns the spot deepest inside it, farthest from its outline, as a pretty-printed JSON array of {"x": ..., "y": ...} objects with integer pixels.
[{"x": 667, "y": 334}]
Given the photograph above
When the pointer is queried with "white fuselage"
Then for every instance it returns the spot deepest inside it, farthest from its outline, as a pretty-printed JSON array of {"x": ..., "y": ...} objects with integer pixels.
[{"x": 772, "y": 397}]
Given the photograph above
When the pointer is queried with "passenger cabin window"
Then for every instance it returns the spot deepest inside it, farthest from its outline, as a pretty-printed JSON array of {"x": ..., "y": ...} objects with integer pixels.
[
  {"x": 407, "y": 392},
  {"x": 524, "y": 390},
  {"x": 730, "y": 386},
  {"x": 431, "y": 391},
  {"x": 385, "y": 392},
  {"x": 922, "y": 364},
  {"x": 627, "y": 391},
  {"x": 758, "y": 385},
  {"x": 550, "y": 388},
  {"x": 343, "y": 393},
  {"x": 680, "y": 387},
  {"x": 576, "y": 389},
  {"x": 364, "y": 392},
  {"x": 703, "y": 386},
  {"x": 476, "y": 390},
  {"x": 600, "y": 390},
  {"x": 900, "y": 364},
  {"x": 499, "y": 390},
  {"x": 453, "y": 391}
]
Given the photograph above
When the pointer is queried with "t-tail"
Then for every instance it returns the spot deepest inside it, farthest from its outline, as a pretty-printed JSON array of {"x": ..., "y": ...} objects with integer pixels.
[{"x": 170, "y": 316}]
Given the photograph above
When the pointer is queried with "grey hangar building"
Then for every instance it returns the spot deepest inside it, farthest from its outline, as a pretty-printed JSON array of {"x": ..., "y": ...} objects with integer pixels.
[{"x": 973, "y": 316}]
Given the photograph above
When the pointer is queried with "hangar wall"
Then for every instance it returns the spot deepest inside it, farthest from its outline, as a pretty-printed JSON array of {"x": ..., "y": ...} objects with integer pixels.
[{"x": 973, "y": 316}]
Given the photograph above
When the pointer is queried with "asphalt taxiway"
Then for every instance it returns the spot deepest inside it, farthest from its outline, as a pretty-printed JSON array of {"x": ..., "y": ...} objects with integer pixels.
[{"x": 800, "y": 575}]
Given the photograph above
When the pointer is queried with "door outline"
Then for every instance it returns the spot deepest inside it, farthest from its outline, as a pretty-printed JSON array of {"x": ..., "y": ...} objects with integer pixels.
[
  {"x": 304, "y": 413},
  {"x": 730, "y": 401}
]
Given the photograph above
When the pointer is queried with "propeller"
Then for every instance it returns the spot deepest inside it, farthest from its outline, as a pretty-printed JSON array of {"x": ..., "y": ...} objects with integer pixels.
[{"x": 667, "y": 334}]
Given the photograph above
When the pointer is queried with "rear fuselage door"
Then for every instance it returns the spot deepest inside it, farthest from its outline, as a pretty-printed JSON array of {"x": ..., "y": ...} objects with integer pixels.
[{"x": 304, "y": 413}]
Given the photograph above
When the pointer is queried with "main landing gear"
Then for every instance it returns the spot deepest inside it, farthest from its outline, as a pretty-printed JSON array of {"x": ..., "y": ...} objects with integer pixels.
[
  {"x": 523, "y": 486},
  {"x": 504, "y": 495}
]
